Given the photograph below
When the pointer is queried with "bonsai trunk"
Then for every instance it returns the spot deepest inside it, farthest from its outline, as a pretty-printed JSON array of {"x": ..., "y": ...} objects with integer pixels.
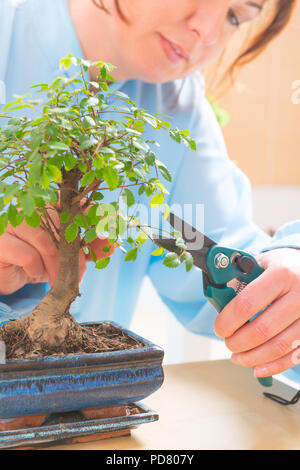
[{"x": 50, "y": 328}]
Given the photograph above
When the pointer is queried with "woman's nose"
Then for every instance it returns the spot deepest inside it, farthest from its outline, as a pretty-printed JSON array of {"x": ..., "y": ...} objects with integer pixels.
[{"x": 208, "y": 19}]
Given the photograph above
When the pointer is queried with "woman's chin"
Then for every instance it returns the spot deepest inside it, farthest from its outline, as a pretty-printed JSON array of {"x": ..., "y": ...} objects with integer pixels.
[{"x": 160, "y": 76}]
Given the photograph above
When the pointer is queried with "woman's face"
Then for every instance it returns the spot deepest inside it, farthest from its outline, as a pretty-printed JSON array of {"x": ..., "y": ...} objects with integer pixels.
[{"x": 168, "y": 39}]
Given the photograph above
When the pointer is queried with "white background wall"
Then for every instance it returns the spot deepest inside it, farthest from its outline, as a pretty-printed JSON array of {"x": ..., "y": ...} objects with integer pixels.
[{"x": 272, "y": 207}]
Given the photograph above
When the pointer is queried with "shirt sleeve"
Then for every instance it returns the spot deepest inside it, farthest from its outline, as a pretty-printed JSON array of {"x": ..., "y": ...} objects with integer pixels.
[
  {"x": 22, "y": 301},
  {"x": 207, "y": 179}
]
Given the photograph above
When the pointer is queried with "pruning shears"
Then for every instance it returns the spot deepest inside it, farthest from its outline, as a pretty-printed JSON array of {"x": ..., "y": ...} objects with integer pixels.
[{"x": 219, "y": 266}]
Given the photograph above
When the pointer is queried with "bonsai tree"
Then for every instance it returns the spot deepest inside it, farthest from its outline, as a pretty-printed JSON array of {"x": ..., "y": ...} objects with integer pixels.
[{"x": 54, "y": 171}]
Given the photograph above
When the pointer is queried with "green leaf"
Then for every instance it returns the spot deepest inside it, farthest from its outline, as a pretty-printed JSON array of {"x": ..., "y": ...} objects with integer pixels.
[
  {"x": 158, "y": 252},
  {"x": 189, "y": 261},
  {"x": 98, "y": 196},
  {"x": 171, "y": 260},
  {"x": 35, "y": 171},
  {"x": 131, "y": 255},
  {"x": 102, "y": 263},
  {"x": 87, "y": 142},
  {"x": 103, "y": 73},
  {"x": 88, "y": 178},
  {"x": 65, "y": 217},
  {"x": 141, "y": 238},
  {"x": 180, "y": 243},
  {"x": 176, "y": 234},
  {"x": 111, "y": 177},
  {"x": 167, "y": 212},
  {"x": 93, "y": 254},
  {"x": 35, "y": 140},
  {"x": 65, "y": 63},
  {"x": 82, "y": 166},
  {"x": 71, "y": 232},
  {"x": 157, "y": 200},
  {"x": 141, "y": 189},
  {"x": 92, "y": 217},
  {"x": 140, "y": 144},
  {"x": 12, "y": 214},
  {"x": 186, "y": 133},
  {"x": 150, "y": 158},
  {"x": 33, "y": 220},
  {"x": 79, "y": 219},
  {"x": 55, "y": 85},
  {"x": 140, "y": 174},
  {"x": 128, "y": 197},
  {"x": 90, "y": 235},
  {"x": 3, "y": 223},
  {"x": 150, "y": 120},
  {"x": 52, "y": 131},
  {"x": 27, "y": 203},
  {"x": 139, "y": 126},
  {"x": 70, "y": 161},
  {"x": 98, "y": 163},
  {"x": 54, "y": 172},
  {"x": 59, "y": 146},
  {"x": 175, "y": 135},
  {"x": 88, "y": 121},
  {"x": 165, "y": 173},
  {"x": 11, "y": 190}
]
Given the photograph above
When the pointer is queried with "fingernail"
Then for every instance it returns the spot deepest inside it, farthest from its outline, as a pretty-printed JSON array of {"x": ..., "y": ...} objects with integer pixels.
[{"x": 261, "y": 371}]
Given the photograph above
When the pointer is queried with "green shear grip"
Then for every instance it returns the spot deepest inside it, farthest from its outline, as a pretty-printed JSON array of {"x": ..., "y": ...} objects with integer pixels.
[
  {"x": 265, "y": 381},
  {"x": 219, "y": 297}
]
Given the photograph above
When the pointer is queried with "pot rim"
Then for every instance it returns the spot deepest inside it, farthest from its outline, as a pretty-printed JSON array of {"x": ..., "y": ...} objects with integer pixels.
[{"x": 149, "y": 351}]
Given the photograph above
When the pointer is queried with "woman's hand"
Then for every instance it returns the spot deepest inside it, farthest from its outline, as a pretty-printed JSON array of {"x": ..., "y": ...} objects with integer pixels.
[
  {"x": 268, "y": 343},
  {"x": 29, "y": 256}
]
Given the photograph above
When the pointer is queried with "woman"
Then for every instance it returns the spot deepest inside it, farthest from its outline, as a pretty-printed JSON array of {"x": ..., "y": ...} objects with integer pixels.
[{"x": 153, "y": 44}]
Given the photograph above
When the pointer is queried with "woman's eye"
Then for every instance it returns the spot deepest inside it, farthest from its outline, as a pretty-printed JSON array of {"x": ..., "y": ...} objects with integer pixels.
[{"x": 233, "y": 19}]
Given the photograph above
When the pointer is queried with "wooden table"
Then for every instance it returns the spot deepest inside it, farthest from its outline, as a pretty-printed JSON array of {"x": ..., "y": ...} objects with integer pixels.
[{"x": 211, "y": 405}]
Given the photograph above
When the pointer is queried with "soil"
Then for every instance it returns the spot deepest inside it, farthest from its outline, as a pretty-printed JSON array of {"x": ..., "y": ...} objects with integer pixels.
[{"x": 95, "y": 339}]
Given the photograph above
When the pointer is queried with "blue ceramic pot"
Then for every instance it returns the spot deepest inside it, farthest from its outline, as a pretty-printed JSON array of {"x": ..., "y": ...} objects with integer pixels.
[{"x": 55, "y": 384}]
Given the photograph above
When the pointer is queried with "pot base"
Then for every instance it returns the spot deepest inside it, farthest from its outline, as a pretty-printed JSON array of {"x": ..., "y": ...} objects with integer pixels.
[{"x": 74, "y": 427}]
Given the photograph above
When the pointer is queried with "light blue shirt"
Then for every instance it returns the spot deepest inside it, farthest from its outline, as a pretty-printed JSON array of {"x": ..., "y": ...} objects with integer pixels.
[{"x": 34, "y": 36}]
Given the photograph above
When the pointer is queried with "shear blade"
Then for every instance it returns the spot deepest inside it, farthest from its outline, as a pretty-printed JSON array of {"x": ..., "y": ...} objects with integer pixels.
[
  {"x": 197, "y": 243},
  {"x": 194, "y": 240}
]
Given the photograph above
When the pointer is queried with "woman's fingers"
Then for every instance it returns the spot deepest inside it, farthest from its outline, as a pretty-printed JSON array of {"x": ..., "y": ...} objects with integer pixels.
[
  {"x": 286, "y": 362},
  {"x": 255, "y": 297},
  {"x": 20, "y": 263},
  {"x": 30, "y": 255},
  {"x": 266, "y": 325},
  {"x": 272, "y": 350},
  {"x": 41, "y": 241},
  {"x": 267, "y": 342},
  {"x": 98, "y": 245}
]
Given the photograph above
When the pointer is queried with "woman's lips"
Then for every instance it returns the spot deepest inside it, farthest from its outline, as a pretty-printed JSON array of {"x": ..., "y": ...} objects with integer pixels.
[{"x": 173, "y": 52}]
